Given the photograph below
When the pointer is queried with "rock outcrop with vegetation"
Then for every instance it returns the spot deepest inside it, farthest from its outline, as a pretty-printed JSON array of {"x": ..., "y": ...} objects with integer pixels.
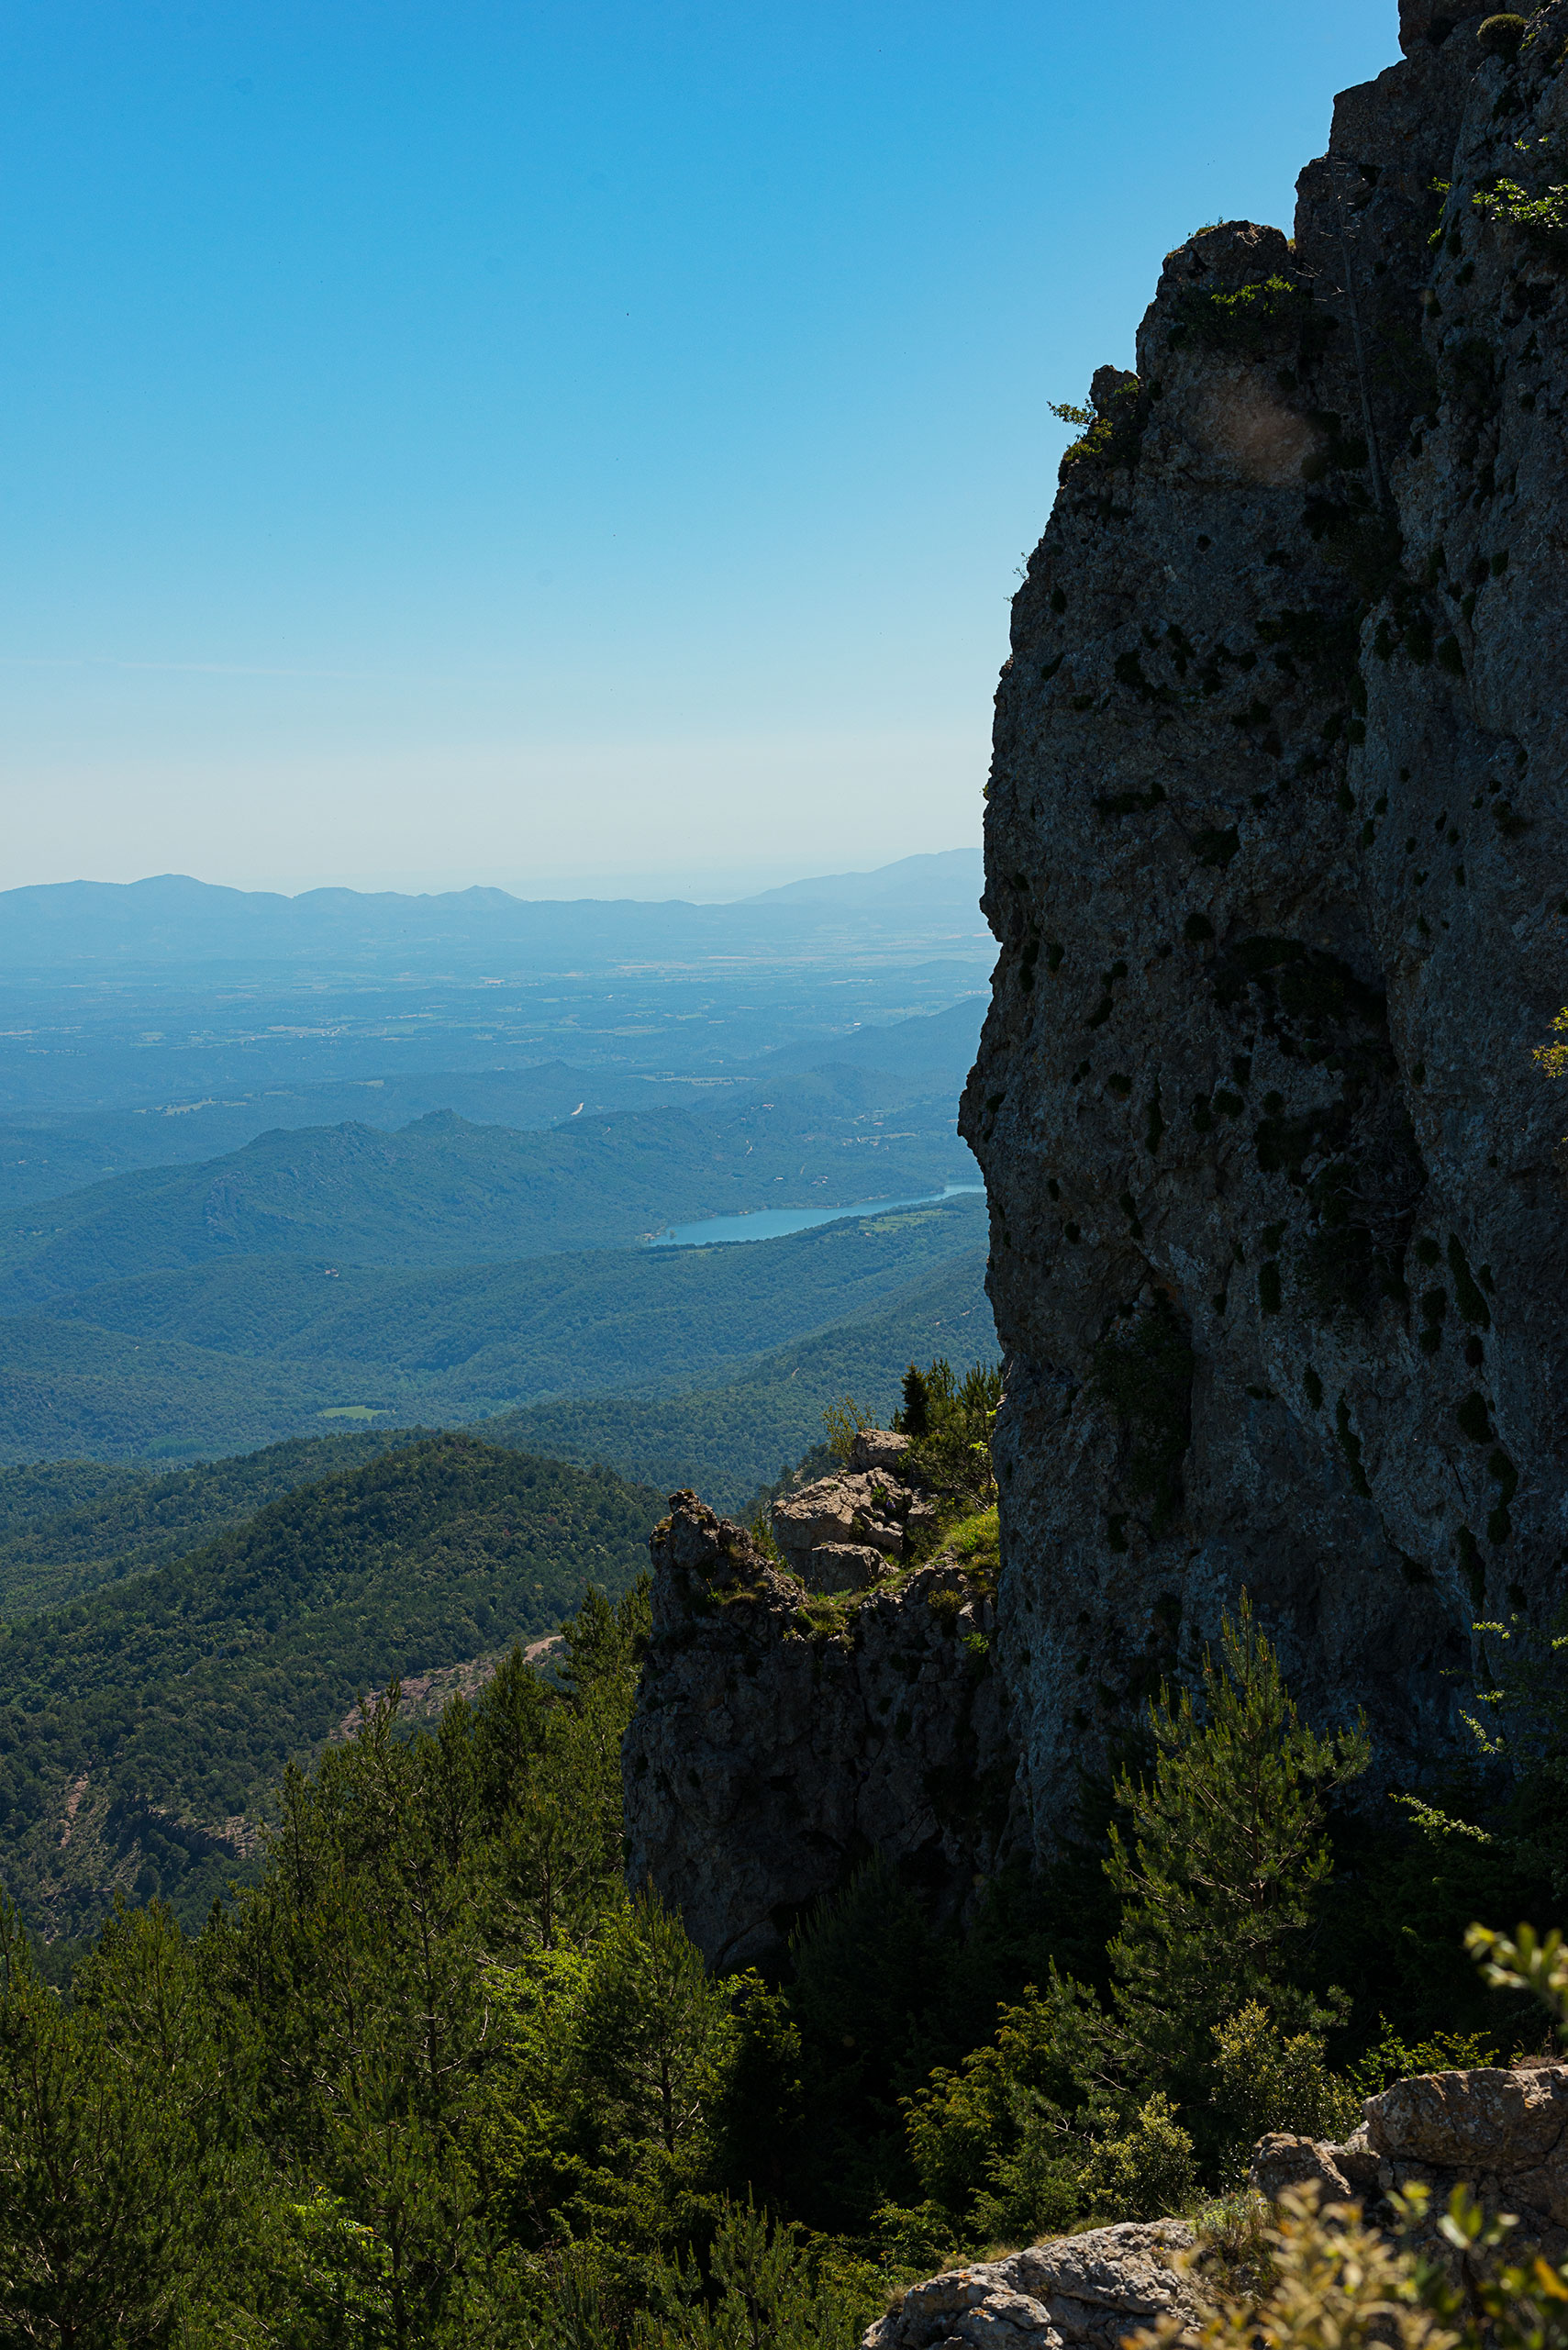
[
  {"x": 1275, "y": 853},
  {"x": 845, "y": 1532},
  {"x": 1083, "y": 2292},
  {"x": 781, "y": 1737},
  {"x": 1500, "y": 2131}
]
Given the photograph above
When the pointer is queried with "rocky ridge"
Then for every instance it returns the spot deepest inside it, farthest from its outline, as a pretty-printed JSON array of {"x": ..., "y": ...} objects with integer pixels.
[
  {"x": 1277, "y": 857},
  {"x": 1502, "y": 2132}
]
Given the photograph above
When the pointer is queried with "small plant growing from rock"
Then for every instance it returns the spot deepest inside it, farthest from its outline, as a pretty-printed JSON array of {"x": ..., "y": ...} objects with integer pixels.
[
  {"x": 1542, "y": 212},
  {"x": 844, "y": 1421}
]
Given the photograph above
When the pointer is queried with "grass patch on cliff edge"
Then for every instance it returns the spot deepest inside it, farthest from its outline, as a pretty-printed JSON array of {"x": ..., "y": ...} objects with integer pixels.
[{"x": 976, "y": 1546}]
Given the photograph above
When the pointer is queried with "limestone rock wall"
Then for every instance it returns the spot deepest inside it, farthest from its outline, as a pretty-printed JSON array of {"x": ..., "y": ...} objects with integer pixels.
[
  {"x": 1276, "y": 855},
  {"x": 781, "y": 1740}
]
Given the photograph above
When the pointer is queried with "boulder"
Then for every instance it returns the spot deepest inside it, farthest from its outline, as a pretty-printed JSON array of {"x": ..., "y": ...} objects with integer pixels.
[
  {"x": 1279, "y": 2161},
  {"x": 848, "y": 1566},
  {"x": 1505, "y": 2119},
  {"x": 866, "y": 1505},
  {"x": 1083, "y": 2292},
  {"x": 1502, "y": 2131},
  {"x": 879, "y": 1448}
]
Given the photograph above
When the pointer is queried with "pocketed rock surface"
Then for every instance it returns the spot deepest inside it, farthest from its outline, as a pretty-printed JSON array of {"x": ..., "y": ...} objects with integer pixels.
[
  {"x": 779, "y": 1740},
  {"x": 1277, "y": 857}
]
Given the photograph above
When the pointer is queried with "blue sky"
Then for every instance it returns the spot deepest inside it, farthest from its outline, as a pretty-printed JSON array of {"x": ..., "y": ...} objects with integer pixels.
[{"x": 567, "y": 446}]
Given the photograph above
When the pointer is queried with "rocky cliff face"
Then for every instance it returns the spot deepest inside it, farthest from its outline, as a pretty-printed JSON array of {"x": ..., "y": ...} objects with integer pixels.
[
  {"x": 1276, "y": 855},
  {"x": 782, "y": 1739}
]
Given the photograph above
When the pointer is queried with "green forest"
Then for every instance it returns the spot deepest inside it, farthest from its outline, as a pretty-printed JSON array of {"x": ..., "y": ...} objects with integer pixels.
[
  {"x": 215, "y": 1358},
  {"x": 68, "y": 1526},
  {"x": 144, "y": 1727},
  {"x": 437, "y": 2074},
  {"x": 729, "y": 1440}
]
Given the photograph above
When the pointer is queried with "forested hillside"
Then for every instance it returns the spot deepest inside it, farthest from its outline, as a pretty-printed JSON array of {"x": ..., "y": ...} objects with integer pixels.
[
  {"x": 217, "y": 1358},
  {"x": 728, "y": 1439},
  {"x": 437, "y": 2079},
  {"x": 143, "y": 1725},
  {"x": 67, "y": 1527},
  {"x": 67, "y": 1389}
]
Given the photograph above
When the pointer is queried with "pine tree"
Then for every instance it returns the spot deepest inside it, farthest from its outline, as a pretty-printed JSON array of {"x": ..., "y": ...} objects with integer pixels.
[
  {"x": 654, "y": 2032},
  {"x": 122, "y": 2177},
  {"x": 1228, "y": 1856}
]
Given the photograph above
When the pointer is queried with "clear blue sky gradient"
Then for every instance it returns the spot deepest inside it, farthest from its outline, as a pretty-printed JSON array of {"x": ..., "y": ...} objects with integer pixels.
[{"x": 562, "y": 445}]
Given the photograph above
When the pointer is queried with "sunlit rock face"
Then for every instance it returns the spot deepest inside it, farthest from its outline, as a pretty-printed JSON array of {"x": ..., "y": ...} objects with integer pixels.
[{"x": 1275, "y": 857}]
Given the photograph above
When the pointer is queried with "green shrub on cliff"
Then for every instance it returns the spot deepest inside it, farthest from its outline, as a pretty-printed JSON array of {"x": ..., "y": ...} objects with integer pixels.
[
  {"x": 1209, "y": 2030},
  {"x": 1501, "y": 36},
  {"x": 1540, "y": 210},
  {"x": 1273, "y": 313},
  {"x": 1521, "y": 1722},
  {"x": 949, "y": 1422}
]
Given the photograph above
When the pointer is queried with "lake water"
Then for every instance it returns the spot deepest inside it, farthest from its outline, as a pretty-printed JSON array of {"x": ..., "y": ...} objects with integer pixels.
[{"x": 774, "y": 1223}]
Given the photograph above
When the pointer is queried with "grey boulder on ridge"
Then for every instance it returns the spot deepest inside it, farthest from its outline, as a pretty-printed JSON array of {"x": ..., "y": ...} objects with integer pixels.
[
  {"x": 845, "y": 1532},
  {"x": 1085, "y": 2292}
]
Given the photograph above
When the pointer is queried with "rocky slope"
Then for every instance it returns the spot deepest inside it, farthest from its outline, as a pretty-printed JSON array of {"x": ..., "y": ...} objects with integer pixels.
[
  {"x": 1276, "y": 855},
  {"x": 1502, "y": 2132}
]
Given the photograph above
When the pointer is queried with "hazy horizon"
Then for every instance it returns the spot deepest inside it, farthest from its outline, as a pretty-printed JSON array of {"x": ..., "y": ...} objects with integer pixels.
[{"x": 690, "y": 884}]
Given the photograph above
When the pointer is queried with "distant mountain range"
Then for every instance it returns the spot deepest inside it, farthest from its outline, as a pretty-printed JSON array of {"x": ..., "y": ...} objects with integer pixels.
[
  {"x": 951, "y": 877},
  {"x": 171, "y": 920}
]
